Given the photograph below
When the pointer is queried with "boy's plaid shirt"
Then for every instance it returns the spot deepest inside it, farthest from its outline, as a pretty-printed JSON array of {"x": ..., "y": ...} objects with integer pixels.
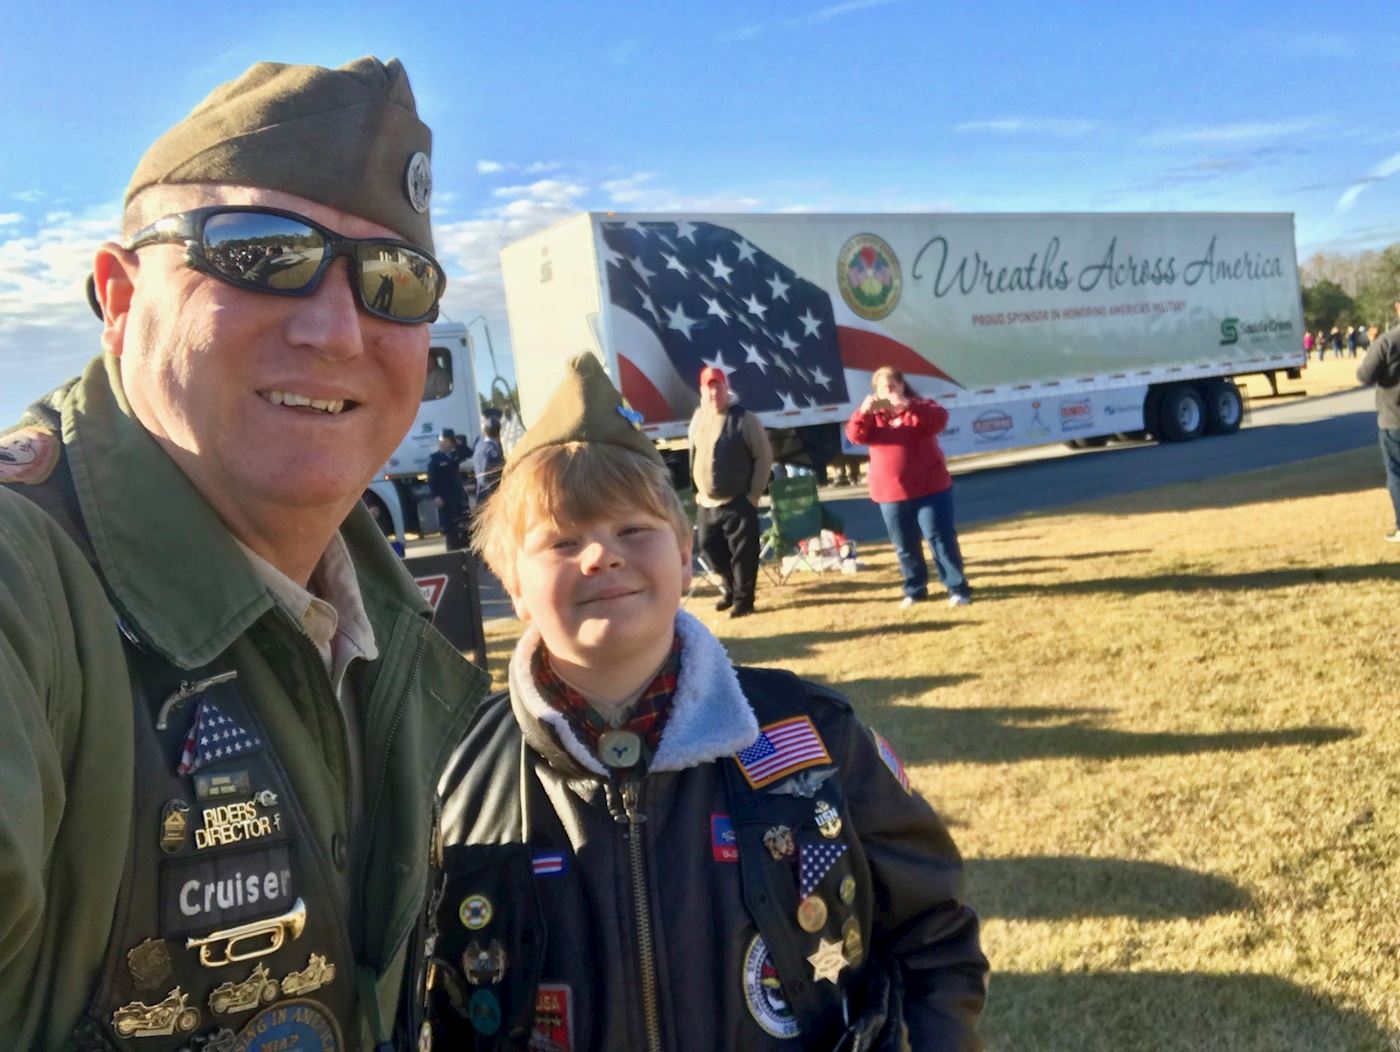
[{"x": 646, "y": 717}]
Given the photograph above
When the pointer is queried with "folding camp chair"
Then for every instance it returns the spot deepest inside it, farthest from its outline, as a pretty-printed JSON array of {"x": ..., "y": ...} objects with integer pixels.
[
  {"x": 796, "y": 515},
  {"x": 702, "y": 570}
]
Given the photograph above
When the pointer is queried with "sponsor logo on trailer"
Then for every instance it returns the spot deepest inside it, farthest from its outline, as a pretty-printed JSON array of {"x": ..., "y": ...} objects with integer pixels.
[
  {"x": 868, "y": 275},
  {"x": 1077, "y": 415},
  {"x": 992, "y": 426}
]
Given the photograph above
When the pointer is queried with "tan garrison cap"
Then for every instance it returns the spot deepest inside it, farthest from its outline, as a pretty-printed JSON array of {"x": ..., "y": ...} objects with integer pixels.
[
  {"x": 585, "y": 407},
  {"x": 349, "y": 138}
]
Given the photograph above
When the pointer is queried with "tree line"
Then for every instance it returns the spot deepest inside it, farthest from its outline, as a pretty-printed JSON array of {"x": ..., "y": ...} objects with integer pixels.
[{"x": 1342, "y": 291}]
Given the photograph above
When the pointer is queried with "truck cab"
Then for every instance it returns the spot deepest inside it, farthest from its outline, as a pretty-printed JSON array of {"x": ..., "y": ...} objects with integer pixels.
[{"x": 398, "y": 497}]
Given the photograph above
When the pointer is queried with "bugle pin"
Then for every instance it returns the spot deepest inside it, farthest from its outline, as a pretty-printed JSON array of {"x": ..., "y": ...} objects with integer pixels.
[{"x": 273, "y": 929}]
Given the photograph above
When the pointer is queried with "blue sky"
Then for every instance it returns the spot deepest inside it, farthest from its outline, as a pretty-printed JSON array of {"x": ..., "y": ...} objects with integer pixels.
[{"x": 541, "y": 110}]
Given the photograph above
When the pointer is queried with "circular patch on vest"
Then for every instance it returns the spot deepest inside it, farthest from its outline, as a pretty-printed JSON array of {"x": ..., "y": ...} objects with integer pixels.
[
  {"x": 764, "y": 993},
  {"x": 27, "y": 454},
  {"x": 300, "y": 1024}
]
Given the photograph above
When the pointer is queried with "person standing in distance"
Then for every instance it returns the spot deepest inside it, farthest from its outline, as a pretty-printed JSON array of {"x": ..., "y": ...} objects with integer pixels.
[
  {"x": 730, "y": 459},
  {"x": 1381, "y": 367},
  {"x": 224, "y": 701},
  {"x": 445, "y": 484},
  {"x": 909, "y": 481},
  {"x": 487, "y": 458}
]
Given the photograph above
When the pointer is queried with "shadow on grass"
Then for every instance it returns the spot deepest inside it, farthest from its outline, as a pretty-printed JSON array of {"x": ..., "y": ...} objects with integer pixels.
[
  {"x": 779, "y": 649},
  {"x": 924, "y": 733},
  {"x": 1012, "y": 560},
  {"x": 1282, "y": 577},
  {"x": 1072, "y": 887},
  {"x": 1167, "y": 1012}
]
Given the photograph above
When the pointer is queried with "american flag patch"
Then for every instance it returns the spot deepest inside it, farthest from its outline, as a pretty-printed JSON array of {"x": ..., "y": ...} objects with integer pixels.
[
  {"x": 213, "y": 738},
  {"x": 887, "y": 754},
  {"x": 550, "y": 864},
  {"x": 780, "y": 749}
]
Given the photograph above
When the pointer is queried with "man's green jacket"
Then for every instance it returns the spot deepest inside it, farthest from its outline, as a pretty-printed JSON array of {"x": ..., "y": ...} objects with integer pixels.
[{"x": 170, "y": 576}]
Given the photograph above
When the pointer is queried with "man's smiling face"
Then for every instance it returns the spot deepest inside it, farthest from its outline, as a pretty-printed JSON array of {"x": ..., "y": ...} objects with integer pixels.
[{"x": 296, "y": 401}]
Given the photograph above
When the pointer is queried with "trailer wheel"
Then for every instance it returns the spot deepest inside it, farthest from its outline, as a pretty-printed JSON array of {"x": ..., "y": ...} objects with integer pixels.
[
  {"x": 1224, "y": 407},
  {"x": 1181, "y": 415}
]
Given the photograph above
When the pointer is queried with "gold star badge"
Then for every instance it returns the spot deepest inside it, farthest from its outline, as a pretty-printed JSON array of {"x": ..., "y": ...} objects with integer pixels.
[{"x": 828, "y": 961}]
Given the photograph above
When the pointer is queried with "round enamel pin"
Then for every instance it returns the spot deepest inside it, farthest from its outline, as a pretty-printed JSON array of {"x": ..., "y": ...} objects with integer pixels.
[
  {"x": 475, "y": 912},
  {"x": 811, "y": 914}
]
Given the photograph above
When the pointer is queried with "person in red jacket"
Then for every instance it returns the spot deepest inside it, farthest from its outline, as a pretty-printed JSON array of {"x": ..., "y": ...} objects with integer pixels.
[{"x": 910, "y": 482}]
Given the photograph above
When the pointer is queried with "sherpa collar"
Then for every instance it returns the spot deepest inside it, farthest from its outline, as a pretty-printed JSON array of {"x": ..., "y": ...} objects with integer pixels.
[{"x": 710, "y": 717}]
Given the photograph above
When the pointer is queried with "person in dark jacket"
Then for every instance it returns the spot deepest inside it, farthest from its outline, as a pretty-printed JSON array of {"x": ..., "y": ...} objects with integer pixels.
[
  {"x": 445, "y": 484},
  {"x": 487, "y": 458},
  {"x": 910, "y": 482},
  {"x": 730, "y": 459},
  {"x": 1381, "y": 367},
  {"x": 646, "y": 848}
]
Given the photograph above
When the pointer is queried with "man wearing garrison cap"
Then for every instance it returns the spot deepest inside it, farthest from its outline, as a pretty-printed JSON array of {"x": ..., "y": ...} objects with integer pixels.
[{"x": 225, "y": 707}]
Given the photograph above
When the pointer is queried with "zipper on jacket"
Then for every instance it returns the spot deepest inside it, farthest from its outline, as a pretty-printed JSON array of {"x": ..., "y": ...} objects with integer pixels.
[{"x": 630, "y": 793}]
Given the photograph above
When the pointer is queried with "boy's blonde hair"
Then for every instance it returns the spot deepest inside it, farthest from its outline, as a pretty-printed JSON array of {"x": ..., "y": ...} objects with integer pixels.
[{"x": 571, "y": 482}]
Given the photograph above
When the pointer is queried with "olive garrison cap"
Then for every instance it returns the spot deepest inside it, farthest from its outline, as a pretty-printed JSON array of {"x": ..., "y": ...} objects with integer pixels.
[
  {"x": 585, "y": 407},
  {"x": 349, "y": 138}
]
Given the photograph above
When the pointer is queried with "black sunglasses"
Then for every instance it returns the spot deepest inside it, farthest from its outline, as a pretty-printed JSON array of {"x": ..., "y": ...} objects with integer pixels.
[{"x": 286, "y": 254}]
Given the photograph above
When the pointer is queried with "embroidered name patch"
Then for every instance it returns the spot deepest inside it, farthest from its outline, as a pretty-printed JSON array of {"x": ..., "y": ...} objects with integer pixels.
[
  {"x": 780, "y": 749},
  {"x": 206, "y": 892}
]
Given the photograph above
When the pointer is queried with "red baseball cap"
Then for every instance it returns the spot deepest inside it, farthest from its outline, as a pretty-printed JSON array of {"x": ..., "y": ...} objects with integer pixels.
[{"x": 712, "y": 374}]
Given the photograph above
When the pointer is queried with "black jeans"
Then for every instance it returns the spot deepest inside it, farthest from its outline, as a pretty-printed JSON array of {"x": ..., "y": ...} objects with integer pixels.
[{"x": 729, "y": 542}]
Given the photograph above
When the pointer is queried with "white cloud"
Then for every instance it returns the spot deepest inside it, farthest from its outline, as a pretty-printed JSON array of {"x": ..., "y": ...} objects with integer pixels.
[
  {"x": 6, "y": 218},
  {"x": 1384, "y": 170},
  {"x": 551, "y": 191},
  {"x": 533, "y": 168},
  {"x": 28, "y": 196},
  {"x": 1242, "y": 132},
  {"x": 848, "y": 7},
  {"x": 1057, "y": 126}
]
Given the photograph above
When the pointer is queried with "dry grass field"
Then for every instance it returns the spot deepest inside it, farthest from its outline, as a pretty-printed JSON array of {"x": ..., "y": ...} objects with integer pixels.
[
  {"x": 1167, "y": 738},
  {"x": 1319, "y": 378}
]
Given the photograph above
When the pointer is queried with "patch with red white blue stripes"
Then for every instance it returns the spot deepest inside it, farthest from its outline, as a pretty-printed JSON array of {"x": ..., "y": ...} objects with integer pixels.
[
  {"x": 781, "y": 749},
  {"x": 724, "y": 843},
  {"x": 891, "y": 759},
  {"x": 550, "y": 863}
]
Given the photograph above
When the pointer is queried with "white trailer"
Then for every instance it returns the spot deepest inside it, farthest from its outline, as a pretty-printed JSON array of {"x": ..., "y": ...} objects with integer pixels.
[
  {"x": 1030, "y": 329},
  {"x": 399, "y": 495}
]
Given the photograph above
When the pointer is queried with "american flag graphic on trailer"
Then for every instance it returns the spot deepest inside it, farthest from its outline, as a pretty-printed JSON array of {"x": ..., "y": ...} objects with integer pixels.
[{"x": 710, "y": 297}]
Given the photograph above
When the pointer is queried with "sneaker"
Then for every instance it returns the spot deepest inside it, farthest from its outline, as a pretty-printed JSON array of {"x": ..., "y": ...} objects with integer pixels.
[
  {"x": 726, "y": 600},
  {"x": 1393, "y": 536},
  {"x": 907, "y": 602},
  {"x": 960, "y": 599}
]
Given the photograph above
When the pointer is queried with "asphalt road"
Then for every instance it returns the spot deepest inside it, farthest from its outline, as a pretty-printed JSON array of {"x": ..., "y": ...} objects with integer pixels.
[
  {"x": 1052, "y": 477},
  {"x": 1004, "y": 485}
]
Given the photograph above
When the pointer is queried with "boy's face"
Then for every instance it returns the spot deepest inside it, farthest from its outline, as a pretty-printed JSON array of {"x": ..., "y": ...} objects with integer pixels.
[{"x": 601, "y": 591}]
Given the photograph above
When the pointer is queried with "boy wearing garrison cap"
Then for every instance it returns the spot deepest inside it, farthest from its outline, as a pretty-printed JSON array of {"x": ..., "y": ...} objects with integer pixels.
[
  {"x": 643, "y": 847},
  {"x": 224, "y": 704}
]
